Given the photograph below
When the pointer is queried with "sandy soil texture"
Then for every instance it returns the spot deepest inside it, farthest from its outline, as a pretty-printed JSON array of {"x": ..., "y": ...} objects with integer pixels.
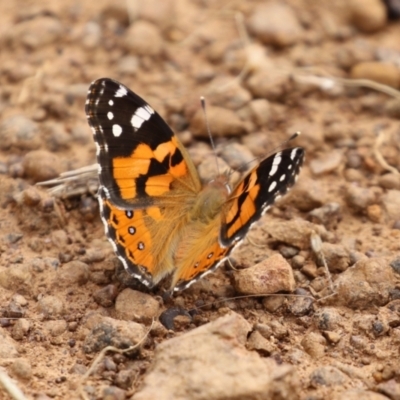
[{"x": 330, "y": 69}]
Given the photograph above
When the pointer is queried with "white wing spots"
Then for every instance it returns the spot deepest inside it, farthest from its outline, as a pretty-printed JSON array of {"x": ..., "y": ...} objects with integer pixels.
[
  {"x": 272, "y": 186},
  {"x": 141, "y": 115},
  {"x": 116, "y": 130},
  {"x": 140, "y": 246},
  {"x": 293, "y": 153},
  {"x": 275, "y": 163},
  {"x": 289, "y": 167},
  {"x": 97, "y": 149},
  {"x": 121, "y": 92},
  {"x": 282, "y": 178},
  {"x": 110, "y": 102},
  {"x": 110, "y": 115}
]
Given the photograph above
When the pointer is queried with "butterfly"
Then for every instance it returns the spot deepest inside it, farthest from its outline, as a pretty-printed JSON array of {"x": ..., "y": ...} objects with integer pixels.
[{"x": 160, "y": 219}]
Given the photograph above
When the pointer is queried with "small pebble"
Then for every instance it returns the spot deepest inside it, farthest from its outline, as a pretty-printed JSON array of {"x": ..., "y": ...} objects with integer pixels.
[
  {"x": 22, "y": 368},
  {"x": 314, "y": 344},
  {"x": 41, "y": 165},
  {"x": 106, "y": 295},
  {"x": 385, "y": 73},
  {"x": 367, "y": 15},
  {"x": 266, "y": 24},
  {"x": 328, "y": 163},
  {"x": 224, "y": 122},
  {"x": 71, "y": 273},
  {"x": 19, "y": 132},
  {"x": 20, "y": 329},
  {"x": 327, "y": 376},
  {"x": 132, "y": 305},
  {"x": 51, "y": 306},
  {"x": 143, "y": 38},
  {"x": 272, "y": 275},
  {"x": 124, "y": 378}
]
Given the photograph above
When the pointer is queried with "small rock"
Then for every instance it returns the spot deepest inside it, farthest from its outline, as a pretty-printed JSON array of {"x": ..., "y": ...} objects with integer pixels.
[
  {"x": 72, "y": 273},
  {"x": 273, "y": 303},
  {"x": 106, "y": 295},
  {"x": 385, "y": 73},
  {"x": 300, "y": 306},
  {"x": 328, "y": 215},
  {"x": 295, "y": 232},
  {"x": 233, "y": 96},
  {"x": 259, "y": 343},
  {"x": 306, "y": 195},
  {"x": 328, "y": 319},
  {"x": 223, "y": 122},
  {"x": 269, "y": 276},
  {"x": 113, "y": 393},
  {"x": 367, "y": 283},
  {"x": 91, "y": 36},
  {"x": 128, "y": 65},
  {"x": 57, "y": 137},
  {"x": 167, "y": 318},
  {"x": 266, "y": 24},
  {"x": 260, "y": 110},
  {"x": 375, "y": 212},
  {"x": 391, "y": 203},
  {"x": 19, "y": 132},
  {"x": 332, "y": 337},
  {"x": 328, "y": 163},
  {"x": 314, "y": 344},
  {"x": 327, "y": 376},
  {"x": 22, "y": 368},
  {"x": 389, "y": 181},
  {"x": 124, "y": 378},
  {"x": 20, "y": 329},
  {"x": 8, "y": 347},
  {"x": 367, "y": 15},
  {"x": 272, "y": 84},
  {"x": 395, "y": 264},
  {"x": 17, "y": 277},
  {"x": 144, "y": 39},
  {"x": 132, "y": 305},
  {"x": 360, "y": 198},
  {"x": 105, "y": 331},
  {"x": 238, "y": 157},
  {"x": 41, "y": 165},
  {"x": 56, "y": 328},
  {"x": 51, "y": 306},
  {"x": 336, "y": 256}
]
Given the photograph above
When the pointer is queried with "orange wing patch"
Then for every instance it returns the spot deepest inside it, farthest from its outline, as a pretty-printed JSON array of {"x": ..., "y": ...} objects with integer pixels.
[{"x": 149, "y": 172}]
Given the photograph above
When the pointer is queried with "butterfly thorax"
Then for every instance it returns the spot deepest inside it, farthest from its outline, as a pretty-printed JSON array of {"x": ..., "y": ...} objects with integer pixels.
[{"x": 209, "y": 202}]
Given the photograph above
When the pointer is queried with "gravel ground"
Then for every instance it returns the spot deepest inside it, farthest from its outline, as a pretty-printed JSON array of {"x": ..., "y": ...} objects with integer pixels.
[{"x": 267, "y": 69}]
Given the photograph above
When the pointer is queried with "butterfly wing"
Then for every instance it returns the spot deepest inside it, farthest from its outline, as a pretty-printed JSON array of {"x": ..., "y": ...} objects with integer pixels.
[
  {"x": 147, "y": 180},
  {"x": 140, "y": 159},
  {"x": 257, "y": 192}
]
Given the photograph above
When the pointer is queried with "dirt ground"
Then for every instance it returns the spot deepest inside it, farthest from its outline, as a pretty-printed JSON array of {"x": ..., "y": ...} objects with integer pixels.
[{"x": 328, "y": 69}]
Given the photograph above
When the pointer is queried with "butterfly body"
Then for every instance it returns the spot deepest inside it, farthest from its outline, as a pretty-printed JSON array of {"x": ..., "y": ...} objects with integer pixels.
[{"x": 157, "y": 215}]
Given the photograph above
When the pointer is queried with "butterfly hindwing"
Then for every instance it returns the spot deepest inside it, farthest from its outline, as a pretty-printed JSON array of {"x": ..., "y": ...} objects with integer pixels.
[
  {"x": 257, "y": 192},
  {"x": 139, "y": 156}
]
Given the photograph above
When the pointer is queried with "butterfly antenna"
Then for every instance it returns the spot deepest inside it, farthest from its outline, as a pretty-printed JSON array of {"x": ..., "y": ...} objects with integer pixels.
[{"x": 203, "y": 106}]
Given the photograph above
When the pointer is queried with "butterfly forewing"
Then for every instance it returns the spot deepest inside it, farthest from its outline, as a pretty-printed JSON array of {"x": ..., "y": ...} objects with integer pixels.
[
  {"x": 258, "y": 191},
  {"x": 139, "y": 156}
]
